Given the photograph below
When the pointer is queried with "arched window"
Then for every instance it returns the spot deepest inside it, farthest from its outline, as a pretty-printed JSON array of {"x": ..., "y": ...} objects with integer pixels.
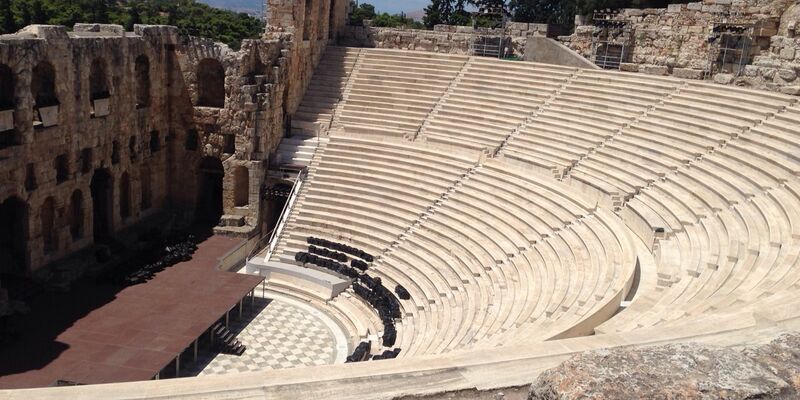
[
  {"x": 142, "y": 81},
  {"x": 13, "y": 236},
  {"x": 125, "y": 196},
  {"x": 43, "y": 90},
  {"x": 241, "y": 187},
  {"x": 48, "y": 220},
  {"x": 98, "y": 80},
  {"x": 210, "y": 84},
  {"x": 8, "y": 136},
  {"x": 115, "y": 152},
  {"x": 147, "y": 195},
  {"x": 6, "y": 88},
  {"x": 307, "y": 23},
  {"x": 43, "y": 85},
  {"x": 331, "y": 20},
  {"x": 62, "y": 168},
  {"x": 76, "y": 215}
]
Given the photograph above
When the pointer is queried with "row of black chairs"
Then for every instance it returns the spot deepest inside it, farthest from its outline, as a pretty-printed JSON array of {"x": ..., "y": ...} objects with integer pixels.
[
  {"x": 321, "y": 251},
  {"x": 340, "y": 247},
  {"x": 171, "y": 255},
  {"x": 327, "y": 263},
  {"x": 361, "y": 353}
]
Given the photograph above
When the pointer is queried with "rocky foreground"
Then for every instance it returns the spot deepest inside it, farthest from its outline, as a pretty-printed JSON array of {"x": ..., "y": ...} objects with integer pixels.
[{"x": 678, "y": 371}]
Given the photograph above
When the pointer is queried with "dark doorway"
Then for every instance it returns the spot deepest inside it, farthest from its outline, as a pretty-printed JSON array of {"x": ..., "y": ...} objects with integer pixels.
[
  {"x": 102, "y": 191},
  {"x": 209, "y": 190},
  {"x": 13, "y": 236}
]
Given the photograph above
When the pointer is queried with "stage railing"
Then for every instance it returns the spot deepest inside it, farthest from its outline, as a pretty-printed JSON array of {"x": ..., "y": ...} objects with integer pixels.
[{"x": 275, "y": 235}]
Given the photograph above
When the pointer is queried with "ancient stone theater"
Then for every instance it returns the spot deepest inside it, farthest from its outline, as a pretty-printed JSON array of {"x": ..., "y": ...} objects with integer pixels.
[{"x": 355, "y": 212}]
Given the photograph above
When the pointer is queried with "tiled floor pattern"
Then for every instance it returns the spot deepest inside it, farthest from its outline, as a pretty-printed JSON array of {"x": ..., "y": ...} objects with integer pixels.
[{"x": 277, "y": 335}]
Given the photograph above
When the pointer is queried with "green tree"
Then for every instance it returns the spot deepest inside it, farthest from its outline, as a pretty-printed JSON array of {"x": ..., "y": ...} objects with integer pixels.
[
  {"x": 38, "y": 13},
  {"x": 362, "y": 12},
  {"x": 7, "y": 23},
  {"x": 438, "y": 12}
]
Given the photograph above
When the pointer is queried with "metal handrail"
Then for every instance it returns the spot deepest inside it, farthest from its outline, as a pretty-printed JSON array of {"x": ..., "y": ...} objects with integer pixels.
[{"x": 276, "y": 233}]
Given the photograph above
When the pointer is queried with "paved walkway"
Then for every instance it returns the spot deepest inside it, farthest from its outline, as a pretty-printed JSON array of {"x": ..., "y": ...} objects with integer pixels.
[{"x": 284, "y": 333}]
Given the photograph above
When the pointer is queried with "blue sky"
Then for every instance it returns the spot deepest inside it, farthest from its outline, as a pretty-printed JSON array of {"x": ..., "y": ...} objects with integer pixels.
[{"x": 393, "y": 6}]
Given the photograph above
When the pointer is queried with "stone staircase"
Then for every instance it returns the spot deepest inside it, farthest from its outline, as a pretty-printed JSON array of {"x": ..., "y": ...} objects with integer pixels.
[{"x": 316, "y": 112}]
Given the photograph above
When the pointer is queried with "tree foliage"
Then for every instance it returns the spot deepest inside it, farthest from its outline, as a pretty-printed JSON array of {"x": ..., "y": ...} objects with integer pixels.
[
  {"x": 367, "y": 11},
  {"x": 191, "y": 17},
  {"x": 539, "y": 11}
]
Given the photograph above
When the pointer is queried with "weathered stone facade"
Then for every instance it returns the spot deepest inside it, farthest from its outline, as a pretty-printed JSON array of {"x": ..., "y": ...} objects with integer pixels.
[
  {"x": 681, "y": 41},
  {"x": 442, "y": 39},
  {"x": 100, "y": 128}
]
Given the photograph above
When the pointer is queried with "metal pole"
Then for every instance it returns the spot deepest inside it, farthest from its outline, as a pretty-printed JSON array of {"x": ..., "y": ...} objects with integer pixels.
[
  {"x": 227, "y": 318},
  {"x": 178, "y": 366},
  {"x": 195, "y": 349},
  {"x": 240, "y": 309}
]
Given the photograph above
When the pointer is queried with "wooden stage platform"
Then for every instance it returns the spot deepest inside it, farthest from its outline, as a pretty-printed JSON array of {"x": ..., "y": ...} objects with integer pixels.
[{"x": 139, "y": 331}]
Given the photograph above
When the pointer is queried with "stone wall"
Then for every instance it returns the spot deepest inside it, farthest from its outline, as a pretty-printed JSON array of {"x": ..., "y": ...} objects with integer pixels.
[
  {"x": 143, "y": 111},
  {"x": 442, "y": 39},
  {"x": 677, "y": 41}
]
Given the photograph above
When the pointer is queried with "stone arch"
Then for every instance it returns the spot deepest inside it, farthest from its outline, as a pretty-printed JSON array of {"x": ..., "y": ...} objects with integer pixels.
[
  {"x": 47, "y": 217},
  {"x": 43, "y": 85},
  {"x": 13, "y": 236},
  {"x": 7, "y": 87},
  {"x": 142, "y": 75},
  {"x": 331, "y": 19},
  {"x": 241, "y": 186},
  {"x": 209, "y": 190},
  {"x": 76, "y": 215},
  {"x": 8, "y": 135},
  {"x": 210, "y": 84},
  {"x": 307, "y": 19},
  {"x": 147, "y": 191},
  {"x": 98, "y": 80},
  {"x": 125, "y": 196},
  {"x": 102, "y": 188}
]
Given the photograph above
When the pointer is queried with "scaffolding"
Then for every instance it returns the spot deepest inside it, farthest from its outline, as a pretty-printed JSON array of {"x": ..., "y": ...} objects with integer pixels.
[
  {"x": 487, "y": 46},
  {"x": 731, "y": 48},
  {"x": 611, "y": 41}
]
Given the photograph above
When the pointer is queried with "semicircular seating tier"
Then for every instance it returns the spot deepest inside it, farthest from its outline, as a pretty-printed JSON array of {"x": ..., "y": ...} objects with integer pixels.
[
  {"x": 703, "y": 177},
  {"x": 488, "y": 251}
]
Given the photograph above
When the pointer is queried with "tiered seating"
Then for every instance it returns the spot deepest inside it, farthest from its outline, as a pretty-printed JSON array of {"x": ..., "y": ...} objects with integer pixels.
[
  {"x": 367, "y": 192},
  {"x": 694, "y": 121},
  {"x": 471, "y": 246},
  {"x": 485, "y": 103},
  {"x": 324, "y": 92},
  {"x": 392, "y": 92},
  {"x": 706, "y": 177},
  {"x": 592, "y": 108}
]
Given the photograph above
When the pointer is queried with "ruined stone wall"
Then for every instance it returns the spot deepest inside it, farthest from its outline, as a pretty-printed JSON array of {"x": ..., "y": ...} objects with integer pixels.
[
  {"x": 86, "y": 140},
  {"x": 204, "y": 102},
  {"x": 676, "y": 41},
  {"x": 442, "y": 39}
]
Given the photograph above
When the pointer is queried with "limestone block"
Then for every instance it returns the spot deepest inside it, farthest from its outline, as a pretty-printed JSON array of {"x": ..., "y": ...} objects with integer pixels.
[
  {"x": 629, "y": 67},
  {"x": 654, "y": 69},
  {"x": 49, "y": 116},
  {"x": 791, "y": 90},
  {"x": 787, "y": 53},
  {"x": 723, "y": 79},
  {"x": 674, "y": 8},
  {"x": 787, "y": 75},
  {"x": 102, "y": 107},
  {"x": 688, "y": 73},
  {"x": 6, "y": 120}
]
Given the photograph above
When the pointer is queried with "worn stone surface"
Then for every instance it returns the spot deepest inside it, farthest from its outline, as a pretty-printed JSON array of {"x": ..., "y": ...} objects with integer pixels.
[{"x": 679, "y": 371}]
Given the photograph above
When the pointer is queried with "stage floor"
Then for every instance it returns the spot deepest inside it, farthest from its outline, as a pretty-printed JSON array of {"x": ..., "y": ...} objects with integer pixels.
[{"x": 133, "y": 335}]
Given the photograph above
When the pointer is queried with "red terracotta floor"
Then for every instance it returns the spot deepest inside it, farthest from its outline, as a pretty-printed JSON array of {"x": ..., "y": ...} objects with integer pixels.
[{"x": 140, "y": 330}]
